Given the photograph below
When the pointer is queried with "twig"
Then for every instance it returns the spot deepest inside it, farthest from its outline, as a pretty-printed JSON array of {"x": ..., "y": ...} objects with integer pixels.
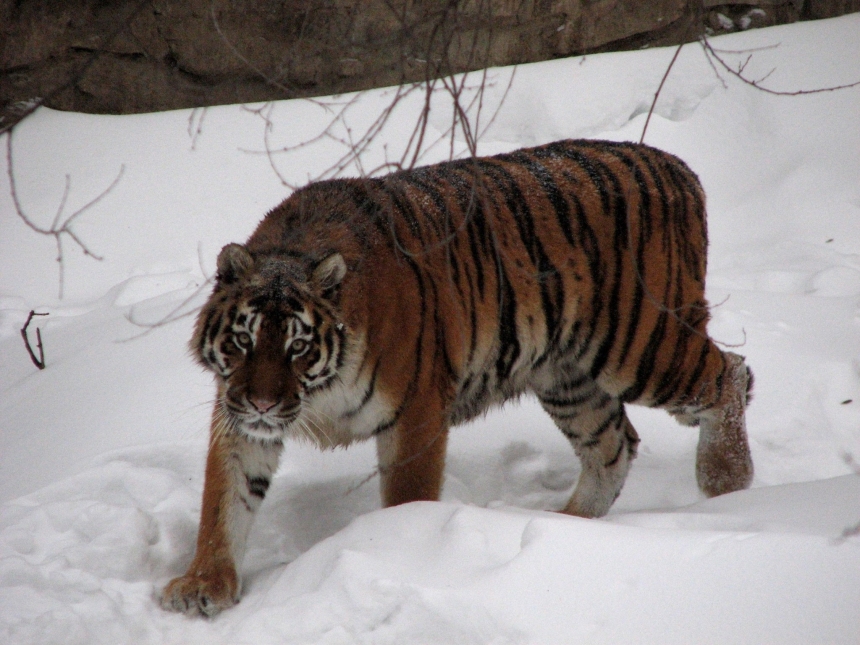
[
  {"x": 269, "y": 80},
  {"x": 59, "y": 227},
  {"x": 38, "y": 362},
  {"x": 179, "y": 312},
  {"x": 439, "y": 76},
  {"x": 657, "y": 93},
  {"x": 850, "y": 531},
  {"x": 197, "y": 116},
  {"x": 713, "y": 57},
  {"x": 738, "y": 73},
  {"x": 653, "y": 299}
]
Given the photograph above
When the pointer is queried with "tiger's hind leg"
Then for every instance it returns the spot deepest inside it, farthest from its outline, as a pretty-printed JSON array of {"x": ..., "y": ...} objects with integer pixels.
[
  {"x": 723, "y": 460},
  {"x": 602, "y": 437}
]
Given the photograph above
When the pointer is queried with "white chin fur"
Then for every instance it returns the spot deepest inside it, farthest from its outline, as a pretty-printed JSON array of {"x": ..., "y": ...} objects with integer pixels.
[{"x": 262, "y": 431}]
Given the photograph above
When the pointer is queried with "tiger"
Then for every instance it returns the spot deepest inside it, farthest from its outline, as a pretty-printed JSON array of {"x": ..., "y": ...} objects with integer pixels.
[{"x": 396, "y": 307}]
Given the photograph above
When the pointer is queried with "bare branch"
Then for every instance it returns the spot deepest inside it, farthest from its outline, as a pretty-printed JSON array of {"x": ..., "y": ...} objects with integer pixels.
[
  {"x": 197, "y": 117},
  {"x": 40, "y": 361},
  {"x": 59, "y": 227},
  {"x": 445, "y": 35},
  {"x": 713, "y": 57},
  {"x": 244, "y": 59},
  {"x": 653, "y": 299},
  {"x": 747, "y": 50},
  {"x": 179, "y": 312},
  {"x": 657, "y": 93}
]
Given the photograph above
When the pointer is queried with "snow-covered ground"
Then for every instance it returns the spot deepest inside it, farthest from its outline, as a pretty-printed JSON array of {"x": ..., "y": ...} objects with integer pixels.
[{"x": 101, "y": 454}]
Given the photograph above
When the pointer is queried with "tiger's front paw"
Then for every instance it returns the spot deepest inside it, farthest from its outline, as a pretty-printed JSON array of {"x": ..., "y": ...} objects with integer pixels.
[{"x": 201, "y": 593}]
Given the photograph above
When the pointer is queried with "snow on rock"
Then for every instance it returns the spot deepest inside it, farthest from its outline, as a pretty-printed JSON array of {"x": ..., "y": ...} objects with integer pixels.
[{"x": 101, "y": 454}]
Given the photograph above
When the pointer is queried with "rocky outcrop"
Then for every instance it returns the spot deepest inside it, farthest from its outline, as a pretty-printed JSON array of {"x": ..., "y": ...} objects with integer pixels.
[{"x": 129, "y": 56}]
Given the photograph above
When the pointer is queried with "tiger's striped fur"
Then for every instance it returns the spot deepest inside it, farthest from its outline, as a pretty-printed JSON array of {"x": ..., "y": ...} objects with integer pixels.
[{"x": 395, "y": 307}]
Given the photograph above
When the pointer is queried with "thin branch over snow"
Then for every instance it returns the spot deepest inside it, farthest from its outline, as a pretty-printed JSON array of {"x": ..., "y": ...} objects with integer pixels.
[
  {"x": 713, "y": 56},
  {"x": 62, "y": 225},
  {"x": 451, "y": 46},
  {"x": 184, "y": 309},
  {"x": 657, "y": 93},
  {"x": 195, "y": 125}
]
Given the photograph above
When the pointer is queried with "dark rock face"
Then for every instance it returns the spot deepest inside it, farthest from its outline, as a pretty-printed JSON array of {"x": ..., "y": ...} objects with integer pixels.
[{"x": 126, "y": 56}]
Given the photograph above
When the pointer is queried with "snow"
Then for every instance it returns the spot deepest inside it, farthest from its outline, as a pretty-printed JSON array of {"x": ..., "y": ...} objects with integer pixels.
[{"x": 101, "y": 454}]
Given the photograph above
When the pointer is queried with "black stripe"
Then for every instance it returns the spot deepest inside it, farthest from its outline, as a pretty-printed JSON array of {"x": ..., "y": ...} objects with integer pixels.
[
  {"x": 614, "y": 460},
  {"x": 431, "y": 189},
  {"x": 509, "y": 344},
  {"x": 383, "y": 427},
  {"x": 441, "y": 342},
  {"x": 638, "y": 260},
  {"x": 549, "y": 273},
  {"x": 473, "y": 321},
  {"x": 570, "y": 150},
  {"x": 575, "y": 381},
  {"x": 645, "y": 368},
  {"x": 211, "y": 328},
  {"x": 669, "y": 383},
  {"x": 419, "y": 345},
  {"x": 257, "y": 486},
  {"x": 369, "y": 208},
  {"x": 472, "y": 231},
  {"x": 692, "y": 208},
  {"x": 403, "y": 207},
  {"x": 471, "y": 205},
  {"x": 619, "y": 211},
  {"x": 591, "y": 248},
  {"x": 340, "y": 334},
  {"x": 687, "y": 393},
  {"x": 553, "y": 193},
  {"x": 594, "y": 437},
  {"x": 570, "y": 434},
  {"x": 257, "y": 303},
  {"x": 571, "y": 401},
  {"x": 518, "y": 206},
  {"x": 590, "y": 244}
]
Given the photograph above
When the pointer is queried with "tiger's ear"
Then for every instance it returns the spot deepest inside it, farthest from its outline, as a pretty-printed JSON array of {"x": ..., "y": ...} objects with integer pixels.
[
  {"x": 328, "y": 274},
  {"x": 234, "y": 262}
]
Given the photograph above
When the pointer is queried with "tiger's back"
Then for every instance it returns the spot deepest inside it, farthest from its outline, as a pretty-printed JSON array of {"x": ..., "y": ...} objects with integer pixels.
[
  {"x": 395, "y": 307},
  {"x": 485, "y": 270}
]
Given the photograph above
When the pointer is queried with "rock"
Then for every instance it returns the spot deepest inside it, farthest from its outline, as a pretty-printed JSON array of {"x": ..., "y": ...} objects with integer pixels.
[{"x": 129, "y": 56}]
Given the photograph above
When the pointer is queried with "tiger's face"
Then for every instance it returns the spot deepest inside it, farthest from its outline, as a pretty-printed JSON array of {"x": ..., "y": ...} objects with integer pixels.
[{"x": 271, "y": 334}]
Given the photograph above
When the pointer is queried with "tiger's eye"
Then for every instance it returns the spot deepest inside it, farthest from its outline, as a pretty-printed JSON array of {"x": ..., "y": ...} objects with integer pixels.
[
  {"x": 243, "y": 340},
  {"x": 298, "y": 346}
]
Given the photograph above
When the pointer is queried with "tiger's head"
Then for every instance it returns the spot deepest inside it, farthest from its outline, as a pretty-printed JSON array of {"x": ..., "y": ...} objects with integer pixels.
[{"x": 271, "y": 334}]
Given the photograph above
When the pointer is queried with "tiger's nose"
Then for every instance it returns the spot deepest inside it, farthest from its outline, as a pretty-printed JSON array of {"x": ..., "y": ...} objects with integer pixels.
[{"x": 261, "y": 403}]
